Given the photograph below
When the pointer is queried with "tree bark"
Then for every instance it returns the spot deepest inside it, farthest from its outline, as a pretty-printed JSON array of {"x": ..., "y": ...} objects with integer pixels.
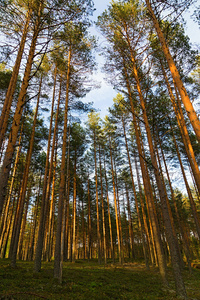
[
  {"x": 115, "y": 203},
  {"x": 5, "y": 170},
  {"x": 24, "y": 182},
  {"x": 175, "y": 74},
  {"x": 40, "y": 237},
  {"x": 58, "y": 262},
  {"x": 13, "y": 81},
  {"x": 103, "y": 212},
  {"x": 97, "y": 203},
  {"x": 183, "y": 130},
  {"x": 148, "y": 193}
]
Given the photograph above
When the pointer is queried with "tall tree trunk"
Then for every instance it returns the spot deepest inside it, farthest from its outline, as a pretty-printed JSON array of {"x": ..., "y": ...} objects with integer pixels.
[
  {"x": 192, "y": 203},
  {"x": 74, "y": 214},
  {"x": 103, "y": 211},
  {"x": 6, "y": 208},
  {"x": 180, "y": 287},
  {"x": 3, "y": 247},
  {"x": 35, "y": 215},
  {"x": 89, "y": 221},
  {"x": 67, "y": 201},
  {"x": 148, "y": 192},
  {"x": 57, "y": 262},
  {"x": 183, "y": 130},
  {"x": 136, "y": 201},
  {"x": 52, "y": 166},
  {"x": 83, "y": 228},
  {"x": 5, "y": 170},
  {"x": 180, "y": 222},
  {"x": 175, "y": 74},
  {"x": 24, "y": 182},
  {"x": 14, "y": 223},
  {"x": 51, "y": 214},
  {"x": 118, "y": 206},
  {"x": 115, "y": 203},
  {"x": 97, "y": 203},
  {"x": 149, "y": 236},
  {"x": 40, "y": 237},
  {"x": 169, "y": 207},
  {"x": 130, "y": 227},
  {"x": 109, "y": 217},
  {"x": 23, "y": 226},
  {"x": 13, "y": 81}
]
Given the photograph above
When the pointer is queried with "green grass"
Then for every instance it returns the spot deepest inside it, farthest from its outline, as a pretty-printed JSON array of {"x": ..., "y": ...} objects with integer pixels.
[{"x": 84, "y": 280}]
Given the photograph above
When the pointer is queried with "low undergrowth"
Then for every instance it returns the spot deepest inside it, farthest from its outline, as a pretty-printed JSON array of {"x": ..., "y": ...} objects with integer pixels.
[{"x": 88, "y": 280}]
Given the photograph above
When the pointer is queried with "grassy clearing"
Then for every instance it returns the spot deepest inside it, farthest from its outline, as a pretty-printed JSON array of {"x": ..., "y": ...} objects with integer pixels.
[{"x": 84, "y": 280}]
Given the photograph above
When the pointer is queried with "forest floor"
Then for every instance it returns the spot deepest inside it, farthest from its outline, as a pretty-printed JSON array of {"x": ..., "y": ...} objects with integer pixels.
[{"x": 88, "y": 280}]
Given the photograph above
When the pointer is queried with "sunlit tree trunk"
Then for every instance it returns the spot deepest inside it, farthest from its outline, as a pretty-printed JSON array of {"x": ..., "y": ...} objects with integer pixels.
[
  {"x": 66, "y": 233},
  {"x": 23, "y": 226},
  {"x": 183, "y": 130},
  {"x": 10, "y": 221},
  {"x": 149, "y": 236},
  {"x": 175, "y": 74},
  {"x": 118, "y": 206},
  {"x": 109, "y": 217},
  {"x": 24, "y": 183},
  {"x": 148, "y": 193},
  {"x": 192, "y": 203},
  {"x": 12, "y": 84},
  {"x": 89, "y": 221},
  {"x": 180, "y": 287},
  {"x": 5, "y": 170},
  {"x": 40, "y": 236},
  {"x": 51, "y": 210},
  {"x": 74, "y": 246},
  {"x": 5, "y": 216}
]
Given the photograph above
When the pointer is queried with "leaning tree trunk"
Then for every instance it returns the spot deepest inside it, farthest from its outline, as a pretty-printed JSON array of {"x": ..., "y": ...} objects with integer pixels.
[
  {"x": 180, "y": 222},
  {"x": 5, "y": 170},
  {"x": 175, "y": 74},
  {"x": 180, "y": 287},
  {"x": 13, "y": 81},
  {"x": 148, "y": 192},
  {"x": 192, "y": 203},
  {"x": 183, "y": 130}
]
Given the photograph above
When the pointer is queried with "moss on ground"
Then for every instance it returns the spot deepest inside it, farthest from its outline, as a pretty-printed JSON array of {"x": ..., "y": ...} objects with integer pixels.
[{"x": 84, "y": 280}]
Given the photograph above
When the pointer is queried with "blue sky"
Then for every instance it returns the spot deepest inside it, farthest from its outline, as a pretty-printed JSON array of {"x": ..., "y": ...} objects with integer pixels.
[{"x": 102, "y": 97}]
